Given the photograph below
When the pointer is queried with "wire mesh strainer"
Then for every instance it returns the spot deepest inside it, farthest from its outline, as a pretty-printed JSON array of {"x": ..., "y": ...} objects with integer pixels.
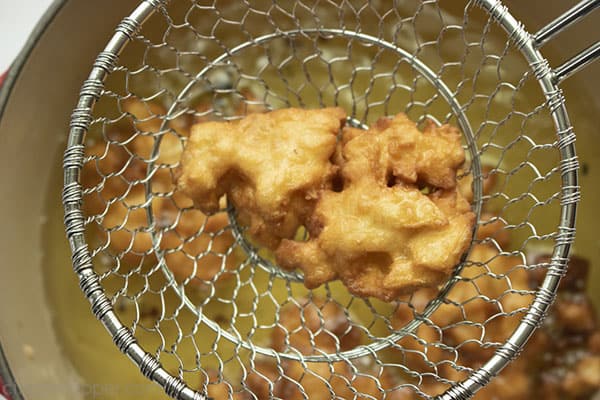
[{"x": 200, "y": 309}]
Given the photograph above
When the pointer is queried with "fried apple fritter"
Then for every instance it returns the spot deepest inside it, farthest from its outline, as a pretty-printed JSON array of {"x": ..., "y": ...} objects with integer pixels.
[
  {"x": 431, "y": 156},
  {"x": 317, "y": 380},
  {"x": 314, "y": 324},
  {"x": 271, "y": 166},
  {"x": 217, "y": 388},
  {"x": 490, "y": 226},
  {"x": 445, "y": 336},
  {"x": 561, "y": 360},
  {"x": 117, "y": 172},
  {"x": 315, "y": 327},
  {"x": 381, "y": 235},
  {"x": 467, "y": 300},
  {"x": 489, "y": 177},
  {"x": 320, "y": 380}
]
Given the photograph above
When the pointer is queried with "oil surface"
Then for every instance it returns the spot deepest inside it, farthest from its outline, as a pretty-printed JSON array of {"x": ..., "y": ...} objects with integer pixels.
[{"x": 112, "y": 376}]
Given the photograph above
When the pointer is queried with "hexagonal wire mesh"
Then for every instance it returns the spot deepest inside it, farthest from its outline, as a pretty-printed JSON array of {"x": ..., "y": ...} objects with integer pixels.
[{"x": 200, "y": 308}]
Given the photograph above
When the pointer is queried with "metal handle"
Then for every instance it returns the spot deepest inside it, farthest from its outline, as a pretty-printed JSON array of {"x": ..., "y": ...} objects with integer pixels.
[{"x": 568, "y": 18}]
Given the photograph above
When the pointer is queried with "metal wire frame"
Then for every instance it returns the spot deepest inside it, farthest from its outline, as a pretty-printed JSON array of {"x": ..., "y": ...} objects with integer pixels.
[{"x": 177, "y": 388}]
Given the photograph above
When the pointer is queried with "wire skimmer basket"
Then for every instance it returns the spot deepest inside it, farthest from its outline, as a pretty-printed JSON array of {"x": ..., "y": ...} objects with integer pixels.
[{"x": 204, "y": 311}]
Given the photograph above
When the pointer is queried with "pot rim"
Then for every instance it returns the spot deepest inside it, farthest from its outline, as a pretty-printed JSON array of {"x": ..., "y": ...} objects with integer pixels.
[
  {"x": 16, "y": 67},
  {"x": 8, "y": 384}
]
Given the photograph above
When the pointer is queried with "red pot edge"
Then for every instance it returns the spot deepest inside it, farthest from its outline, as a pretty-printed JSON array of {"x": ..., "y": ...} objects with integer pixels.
[{"x": 3, "y": 77}]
